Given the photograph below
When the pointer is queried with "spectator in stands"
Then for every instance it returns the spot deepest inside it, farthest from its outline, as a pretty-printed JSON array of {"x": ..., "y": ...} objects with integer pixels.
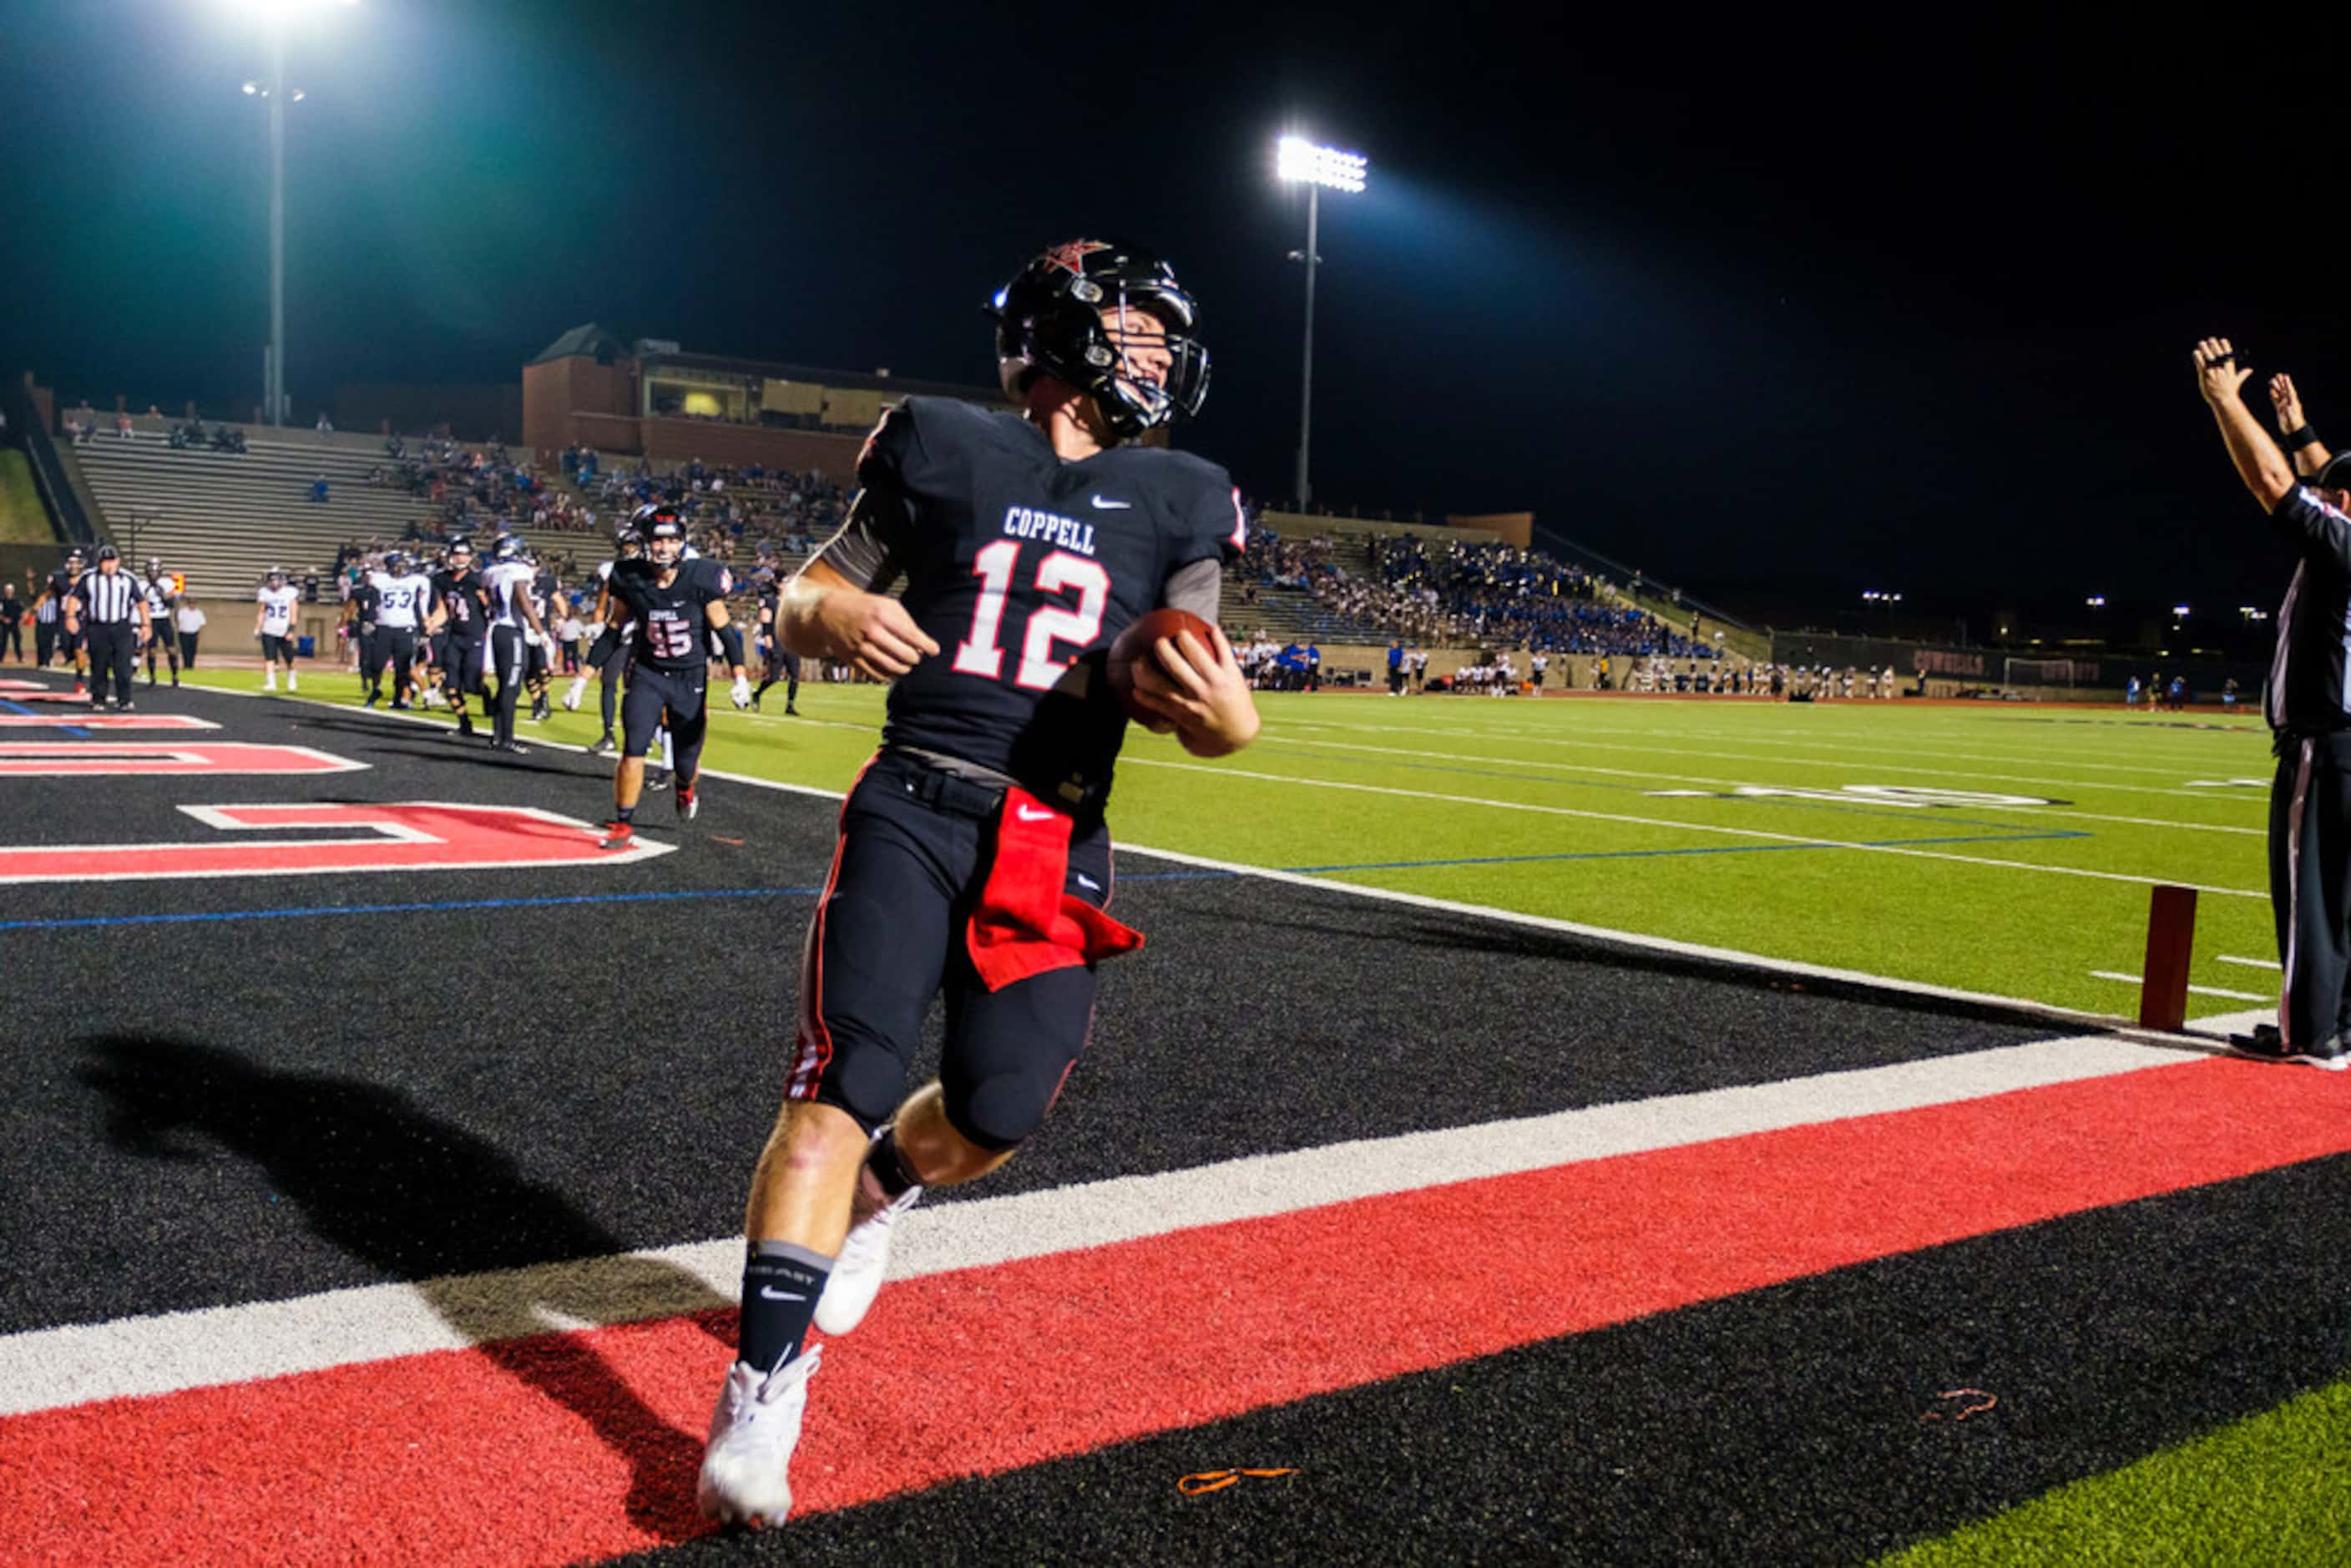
[
  {"x": 122, "y": 425},
  {"x": 326, "y": 425},
  {"x": 319, "y": 490}
]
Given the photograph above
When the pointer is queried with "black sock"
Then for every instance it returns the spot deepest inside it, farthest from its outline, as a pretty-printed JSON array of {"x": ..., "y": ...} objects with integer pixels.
[
  {"x": 624, "y": 813},
  {"x": 888, "y": 1163},
  {"x": 781, "y": 1283}
]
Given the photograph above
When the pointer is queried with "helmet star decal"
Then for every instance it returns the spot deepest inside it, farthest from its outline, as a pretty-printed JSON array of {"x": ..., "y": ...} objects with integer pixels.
[{"x": 1070, "y": 257}]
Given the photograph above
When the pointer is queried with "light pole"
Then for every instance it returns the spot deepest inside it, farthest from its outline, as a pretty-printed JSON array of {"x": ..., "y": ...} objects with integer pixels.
[
  {"x": 1299, "y": 160},
  {"x": 275, "y": 16}
]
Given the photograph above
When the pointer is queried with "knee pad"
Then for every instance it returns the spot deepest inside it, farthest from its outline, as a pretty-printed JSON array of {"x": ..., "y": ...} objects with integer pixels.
[{"x": 1002, "y": 1111}]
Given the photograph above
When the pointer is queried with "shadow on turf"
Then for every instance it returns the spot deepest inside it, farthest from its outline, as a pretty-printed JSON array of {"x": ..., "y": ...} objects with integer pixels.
[
  {"x": 421, "y": 1198},
  {"x": 1489, "y": 937}
]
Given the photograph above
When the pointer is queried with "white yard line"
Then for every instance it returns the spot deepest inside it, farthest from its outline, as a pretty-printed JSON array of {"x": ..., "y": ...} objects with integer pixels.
[
  {"x": 1223, "y": 771},
  {"x": 2032, "y": 811},
  {"x": 44, "y": 1369},
  {"x": 2253, "y": 963},
  {"x": 2192, "y": 990}
]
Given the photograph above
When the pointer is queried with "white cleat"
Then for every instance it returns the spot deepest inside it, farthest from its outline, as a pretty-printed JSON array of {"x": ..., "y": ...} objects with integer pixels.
[
  {"x": 857, "y": 1273},
  {"x": 744, "y": 1471},
  {"x": 292, "y": 685}
]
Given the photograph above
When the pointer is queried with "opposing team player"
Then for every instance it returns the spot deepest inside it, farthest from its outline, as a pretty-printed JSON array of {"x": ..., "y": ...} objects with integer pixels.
[
  {"x": 505, "y": 588},
  {"x": 973, "y": 856},
  {"x": 273, "y": 623},
  {"x": 676, "y": 606},
  {"x": 403, "y": 596},
  {"x": 461, "y": 616},
  {"x": 162, "y": 602}
]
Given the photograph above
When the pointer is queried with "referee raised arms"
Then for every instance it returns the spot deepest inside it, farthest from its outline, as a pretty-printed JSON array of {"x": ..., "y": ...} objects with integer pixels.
[
  {"x": 108, "y": 607},
  {"x": 2309, "y": 710}
]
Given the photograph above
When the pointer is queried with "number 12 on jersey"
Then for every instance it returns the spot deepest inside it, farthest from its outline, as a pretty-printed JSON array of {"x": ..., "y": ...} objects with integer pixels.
[{"x": 981, "y": 653}]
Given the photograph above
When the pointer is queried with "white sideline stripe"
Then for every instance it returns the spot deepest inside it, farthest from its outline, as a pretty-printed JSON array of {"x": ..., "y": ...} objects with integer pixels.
[
  {"x": 1222, "y": 771},
  {"x": 44, "y": 1369},
  {"x": 2251, "y": 963},
  {"x": 2192, "y": 990},
  {"x": 1444, "y": 906}
]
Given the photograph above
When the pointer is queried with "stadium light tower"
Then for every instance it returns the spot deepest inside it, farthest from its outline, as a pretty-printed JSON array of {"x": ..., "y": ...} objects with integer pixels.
[
  {"x": 275, "y": 16},
  {"x": 1301, "y": 162}
]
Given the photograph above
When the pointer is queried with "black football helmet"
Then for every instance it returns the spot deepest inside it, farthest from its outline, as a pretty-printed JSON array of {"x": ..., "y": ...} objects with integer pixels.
[
  {"x": 1048, "y": 322},
  {"x": 508, "y": 548},
  {"x": 664, "y": 527},
  {"x": 460, "y": 546}
]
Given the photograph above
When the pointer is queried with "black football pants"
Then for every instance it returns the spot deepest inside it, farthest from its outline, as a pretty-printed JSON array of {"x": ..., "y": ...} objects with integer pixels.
[
  {"x": 507, "y": 662},
  {"x": 2310, "y": 883},
  {"x": 113, "y": 653},
  {"x": 684, "y": 698},
  {"x": 916, "y": 845}
]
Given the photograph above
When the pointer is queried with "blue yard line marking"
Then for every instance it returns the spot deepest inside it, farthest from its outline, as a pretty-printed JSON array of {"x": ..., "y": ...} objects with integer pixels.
[
  {"x": 73, "y": 729},
  {"x": 1907, "y": 814},
  {"x": 88, "y": 920},
  {"x": 1613, "y": 855}
]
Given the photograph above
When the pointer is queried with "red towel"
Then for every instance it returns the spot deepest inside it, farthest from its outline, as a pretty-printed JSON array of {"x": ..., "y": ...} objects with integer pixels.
[{"x": 1025, "y": 924}]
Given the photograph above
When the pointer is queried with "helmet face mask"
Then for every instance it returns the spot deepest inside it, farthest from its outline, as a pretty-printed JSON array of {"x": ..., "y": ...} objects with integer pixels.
[
  {"x": 1050, "y": 321},
  {"x": 665, "y": 538}
]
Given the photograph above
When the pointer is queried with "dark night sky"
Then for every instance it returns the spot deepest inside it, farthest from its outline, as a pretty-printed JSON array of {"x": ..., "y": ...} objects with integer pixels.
[{"x": 1776, "y": 306}]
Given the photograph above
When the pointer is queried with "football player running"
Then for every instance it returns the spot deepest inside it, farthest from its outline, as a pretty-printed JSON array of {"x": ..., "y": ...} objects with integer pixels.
[
  {"x": 675, "y": 605},
  {"x": 973, "y": 858}
]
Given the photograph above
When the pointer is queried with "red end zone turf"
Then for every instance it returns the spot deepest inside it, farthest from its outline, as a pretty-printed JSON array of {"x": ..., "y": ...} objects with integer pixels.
[{"x": 579, "y": 1446}]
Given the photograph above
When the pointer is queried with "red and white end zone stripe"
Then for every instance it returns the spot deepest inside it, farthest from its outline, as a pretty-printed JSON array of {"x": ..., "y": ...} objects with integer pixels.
[
  {"x": 63, "y": 758},
  {"x": 104, "y": 721},
  {"x": 413, "y": 835}
]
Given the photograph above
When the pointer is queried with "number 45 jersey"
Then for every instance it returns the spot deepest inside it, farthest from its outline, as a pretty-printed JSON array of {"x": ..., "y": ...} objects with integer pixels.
[
  {"x": 673, "y": 623},
  {"x": 1024, "y": 569}
]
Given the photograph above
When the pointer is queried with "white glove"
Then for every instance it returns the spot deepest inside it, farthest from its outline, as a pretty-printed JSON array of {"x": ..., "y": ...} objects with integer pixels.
[
  {"x": 742, "y": 691},
  {"x": 572, "y": 694},
  {"x": 531, "y": 639}
]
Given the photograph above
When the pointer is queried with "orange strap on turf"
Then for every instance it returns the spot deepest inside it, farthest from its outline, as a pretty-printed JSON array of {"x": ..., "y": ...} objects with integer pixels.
[{"x": 1218, "y": 1480}]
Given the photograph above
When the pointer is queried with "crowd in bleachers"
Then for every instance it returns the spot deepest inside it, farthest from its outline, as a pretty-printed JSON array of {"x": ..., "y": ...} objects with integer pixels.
[
  {"x": 1498, "y": 594},
  {"x": 737, "y": 513}
]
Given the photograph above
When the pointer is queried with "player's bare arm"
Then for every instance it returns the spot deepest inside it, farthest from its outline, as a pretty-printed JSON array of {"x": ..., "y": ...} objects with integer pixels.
[
  {"x": 2260, "y": 464},
  {"x": 2310, "y": 454},
  {"x": 823, "y": 614}
]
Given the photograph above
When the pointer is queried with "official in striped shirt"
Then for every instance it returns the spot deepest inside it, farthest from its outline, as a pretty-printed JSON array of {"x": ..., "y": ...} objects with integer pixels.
[{"x": 108, "y": 607}]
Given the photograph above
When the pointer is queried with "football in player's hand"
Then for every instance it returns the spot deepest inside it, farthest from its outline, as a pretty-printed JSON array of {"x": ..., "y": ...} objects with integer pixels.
[{"x": 1137, "y": 641}]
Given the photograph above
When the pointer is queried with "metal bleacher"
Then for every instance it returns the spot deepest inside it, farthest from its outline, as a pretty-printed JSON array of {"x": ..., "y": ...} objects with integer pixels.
[{"x": 223, "y": 519}]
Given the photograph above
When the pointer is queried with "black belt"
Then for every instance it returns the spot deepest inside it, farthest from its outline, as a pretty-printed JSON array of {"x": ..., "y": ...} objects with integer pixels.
[{"x": 941, "y": 790}]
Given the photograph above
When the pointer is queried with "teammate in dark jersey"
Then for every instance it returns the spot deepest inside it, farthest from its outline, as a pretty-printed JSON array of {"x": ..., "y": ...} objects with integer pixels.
[
  {"x": 776, "y": 660},
  {"x": 973, "y": 857},
  {"x": 676, "y": 606},
  {"x": 162, "y": 601},
  {"x": 539, "y": 654},
  {"x": 358, "y": 614},
  {"x": 71, "y": 643},
  {"x": 461, "y": 612},
  {"x": 629, "y": 545}
]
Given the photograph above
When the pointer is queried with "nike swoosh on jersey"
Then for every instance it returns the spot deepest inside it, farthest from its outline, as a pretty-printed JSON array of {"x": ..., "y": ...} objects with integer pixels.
[
  {"x": 1028, "y": 816},
  {"x": 1107, "y": 504}
]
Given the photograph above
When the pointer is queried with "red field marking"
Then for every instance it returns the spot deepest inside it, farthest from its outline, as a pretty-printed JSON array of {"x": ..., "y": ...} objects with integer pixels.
[
  {"x": 104, "y": 721},
  {"x": 79, "y": 758},
  {"x": 581, "y": 1445},
  {"x": 47, "y": 695},
  {"x": 409, "y": 836}
]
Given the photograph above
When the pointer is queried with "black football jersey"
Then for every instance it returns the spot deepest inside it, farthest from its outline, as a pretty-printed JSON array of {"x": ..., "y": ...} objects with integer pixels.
[
  {"x": 1024, "y": 569},
  {"x": 673, "y": 623},
  {"x": 460, "y": 598},
  {"x": 363, "y": 599}
]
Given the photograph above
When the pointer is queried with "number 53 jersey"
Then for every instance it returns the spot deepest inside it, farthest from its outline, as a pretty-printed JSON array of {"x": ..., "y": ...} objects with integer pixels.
[{"x": 1024, "y": 569}]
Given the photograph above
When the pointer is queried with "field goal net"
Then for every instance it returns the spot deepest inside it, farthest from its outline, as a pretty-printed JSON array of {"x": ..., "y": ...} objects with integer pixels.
[{"x": 2049, "y": 671}]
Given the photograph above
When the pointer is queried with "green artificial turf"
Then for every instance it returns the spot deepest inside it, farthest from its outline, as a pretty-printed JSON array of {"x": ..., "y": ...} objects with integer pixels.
[
  {"x": 23, "y": 520},
  {"x": 1564, "y": 808},
  {"x": 2268, "y": 1489}
]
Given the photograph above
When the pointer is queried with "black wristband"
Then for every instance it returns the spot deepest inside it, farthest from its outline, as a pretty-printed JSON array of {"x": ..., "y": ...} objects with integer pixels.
[{"x": 2301, "y": 438}]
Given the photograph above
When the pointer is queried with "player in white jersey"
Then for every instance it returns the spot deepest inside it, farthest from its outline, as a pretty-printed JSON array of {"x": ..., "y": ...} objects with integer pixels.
[
  {"x": 273, "y": 623},
  {"x": 404, "y": 597},
  {"x": 505, "y": 582}
]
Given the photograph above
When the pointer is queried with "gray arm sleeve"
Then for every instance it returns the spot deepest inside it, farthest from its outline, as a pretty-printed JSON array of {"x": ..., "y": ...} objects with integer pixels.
[
  {"x": 858, "y": 552},
  {"x": 1198, "y": 587}
]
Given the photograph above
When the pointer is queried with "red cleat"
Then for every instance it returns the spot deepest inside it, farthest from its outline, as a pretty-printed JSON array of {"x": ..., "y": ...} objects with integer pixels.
[{"x": 617, "y": 836}]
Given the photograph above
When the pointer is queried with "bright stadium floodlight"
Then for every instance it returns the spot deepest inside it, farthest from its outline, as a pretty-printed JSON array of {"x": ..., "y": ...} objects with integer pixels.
[
  {"x": 1300, "y": 161},
  {"x": 2180, "y": 610},
  {"x": 2095, "y": 601},
  {"x": 276, "y": 18}
]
